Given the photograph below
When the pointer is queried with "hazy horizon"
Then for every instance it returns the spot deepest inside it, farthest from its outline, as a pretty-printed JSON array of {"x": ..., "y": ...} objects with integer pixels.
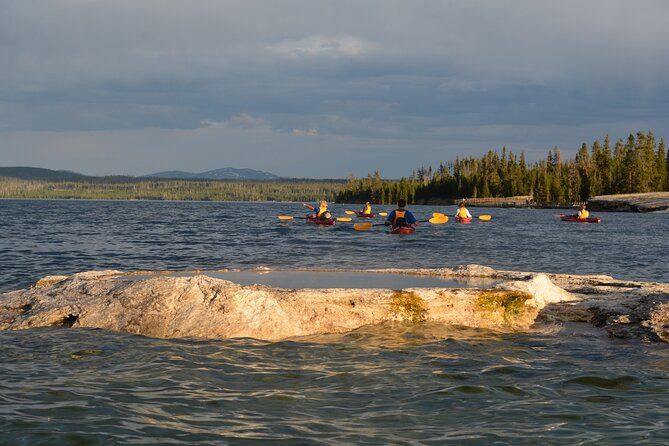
[{"x": 322, "y": 89}]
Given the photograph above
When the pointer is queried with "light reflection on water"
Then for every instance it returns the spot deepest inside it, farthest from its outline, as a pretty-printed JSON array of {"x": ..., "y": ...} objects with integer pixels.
[{"x": 329, "y": 279}]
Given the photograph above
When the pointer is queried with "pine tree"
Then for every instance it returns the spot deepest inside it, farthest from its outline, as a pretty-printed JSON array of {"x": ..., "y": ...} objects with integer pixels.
[
  {"x": 541, "y": 193},
  {"x": 647, "y": 168},
  {"x": 661, "y": 170},
  {"x": 604, "y": 165},
  {"x": 596, "y": 180},
  {"x": 618, "y": 184},
  {"x": 583, "y": 168},
  {"x": 631, "y": 165}
]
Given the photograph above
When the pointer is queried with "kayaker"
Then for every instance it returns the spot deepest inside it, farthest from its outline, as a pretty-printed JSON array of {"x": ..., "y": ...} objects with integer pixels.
[
  {"x": 320, "y": 210},
  {"x": 400, "y": 217},
  {"x": 462, "y": 212},
  {"x": 367, "y": 209},
  {"x": 582, "y": 213}
]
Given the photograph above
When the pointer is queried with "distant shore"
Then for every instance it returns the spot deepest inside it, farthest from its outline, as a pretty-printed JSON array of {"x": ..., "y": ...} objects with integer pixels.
[
  {"x": 285, "y": 191},
  {"x": 175, "y": 190}
]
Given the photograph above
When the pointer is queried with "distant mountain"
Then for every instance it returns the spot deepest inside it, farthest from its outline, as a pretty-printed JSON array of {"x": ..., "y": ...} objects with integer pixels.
[
  {"x": 226, "y": 173},
  {"x": 40, "y": 174},
  {"x": 37, "y": 173}
]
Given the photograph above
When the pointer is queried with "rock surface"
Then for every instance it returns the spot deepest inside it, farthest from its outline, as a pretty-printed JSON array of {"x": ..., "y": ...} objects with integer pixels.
[
  {"x": 648, "y": 202},
  {"x": 200, "y": 306}
]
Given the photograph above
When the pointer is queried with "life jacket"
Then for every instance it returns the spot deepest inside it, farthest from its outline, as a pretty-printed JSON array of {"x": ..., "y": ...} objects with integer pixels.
[
  {"x": 368, "y": 210},
  {"x": 462, "y": 213},
  {"x": 582, "y": 215},
  {"x": 400, "y": 219},
  {"x": 321, "y": 212}
]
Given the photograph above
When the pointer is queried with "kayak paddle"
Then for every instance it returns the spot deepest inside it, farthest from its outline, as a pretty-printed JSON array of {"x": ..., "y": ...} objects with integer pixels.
[
  {"x": 290, "y": 217},
  {"x": 367, "y": 226},
  {"x": 485, "y": 217},
  {"x": 382, "y": 214}
]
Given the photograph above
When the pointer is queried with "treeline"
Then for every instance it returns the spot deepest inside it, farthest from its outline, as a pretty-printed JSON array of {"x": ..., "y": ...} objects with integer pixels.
[
  {"x": 638, "y": 164},
  {"x": 202, "y": 190}
]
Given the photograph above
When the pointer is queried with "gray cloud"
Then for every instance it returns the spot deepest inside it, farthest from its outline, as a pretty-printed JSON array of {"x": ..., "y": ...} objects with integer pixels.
[{"x": 390, "y": 84}]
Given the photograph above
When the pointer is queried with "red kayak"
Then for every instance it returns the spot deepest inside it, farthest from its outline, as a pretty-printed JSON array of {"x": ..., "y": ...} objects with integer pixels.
[
  {"x": 403, "y": 230},
  {"x": 463, "y": 220},
  {"x": 321, "y": 221},
  {"x": 363, "y": 215},
  {"x": 574, "y": 218}
]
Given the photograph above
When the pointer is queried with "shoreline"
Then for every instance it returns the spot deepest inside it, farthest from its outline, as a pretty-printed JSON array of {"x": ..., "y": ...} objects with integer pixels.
[
  {"x": 160, "y": 200},
  {"x": 652, "y": 202}
]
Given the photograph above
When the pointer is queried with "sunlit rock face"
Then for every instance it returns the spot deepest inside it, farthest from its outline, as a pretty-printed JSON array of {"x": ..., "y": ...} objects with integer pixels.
[
  {"x": 644, "y": 202},
  {"x": 200, "y": 306}
]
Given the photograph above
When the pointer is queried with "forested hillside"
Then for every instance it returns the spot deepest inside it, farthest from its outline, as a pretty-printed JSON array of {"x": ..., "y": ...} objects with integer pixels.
[{"x": 638, "y": 164}]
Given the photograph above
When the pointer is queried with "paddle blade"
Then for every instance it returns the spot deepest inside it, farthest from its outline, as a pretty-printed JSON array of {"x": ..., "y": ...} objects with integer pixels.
[
  {"x": 362, "y": 226},
  {"x": 439, "y": 215},
  {"x": 344, "y": 219},
  {"x": 349, "y": 212},
  {"x": 438, "y": 220},
  {"x": 284, "y": 217},
  {"x": 485, "y": 217},
  {"x": 383, "y": 214}
]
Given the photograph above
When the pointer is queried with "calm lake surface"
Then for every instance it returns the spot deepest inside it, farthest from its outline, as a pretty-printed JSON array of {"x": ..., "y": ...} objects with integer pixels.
[{"x": 392, "y": 384}]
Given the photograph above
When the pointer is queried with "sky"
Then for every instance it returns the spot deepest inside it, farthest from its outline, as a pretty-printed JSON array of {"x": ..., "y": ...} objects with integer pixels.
[{"x": 322, "y": 88}]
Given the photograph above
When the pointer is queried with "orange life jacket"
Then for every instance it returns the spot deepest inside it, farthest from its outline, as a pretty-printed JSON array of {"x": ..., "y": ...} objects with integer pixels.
[{"x": 400, "y": 219}]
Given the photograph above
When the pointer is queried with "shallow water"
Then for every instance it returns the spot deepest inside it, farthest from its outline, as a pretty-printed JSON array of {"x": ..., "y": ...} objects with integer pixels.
[
  {"x": 332, "y": 279},
  {"x": 397, "y": 384}
]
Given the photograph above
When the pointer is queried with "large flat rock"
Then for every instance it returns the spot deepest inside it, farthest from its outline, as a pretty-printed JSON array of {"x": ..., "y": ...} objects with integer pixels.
[
  {"x": 647, "y": 202},
  {"x": 199, "y": 306}
]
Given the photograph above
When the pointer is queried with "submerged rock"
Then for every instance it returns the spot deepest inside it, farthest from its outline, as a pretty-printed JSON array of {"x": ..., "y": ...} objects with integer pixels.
[{"x": 200, "y": 306}]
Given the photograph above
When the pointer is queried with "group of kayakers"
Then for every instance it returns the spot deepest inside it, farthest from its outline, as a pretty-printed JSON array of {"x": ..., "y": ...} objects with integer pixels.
[
  {"x": 402, "y": 218},
  {"x": 399, "y": 218}
]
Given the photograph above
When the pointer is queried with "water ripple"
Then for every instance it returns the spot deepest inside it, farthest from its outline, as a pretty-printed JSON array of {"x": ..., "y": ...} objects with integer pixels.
[
  {"x": 394, "y": 384},
  {"x": 62, "y": 237}
]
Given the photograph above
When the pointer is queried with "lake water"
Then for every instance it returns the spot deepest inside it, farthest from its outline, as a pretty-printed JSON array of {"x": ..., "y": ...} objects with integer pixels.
[
  {"x": 62, "y": 237},
  {"x": 400, "y": 384}
]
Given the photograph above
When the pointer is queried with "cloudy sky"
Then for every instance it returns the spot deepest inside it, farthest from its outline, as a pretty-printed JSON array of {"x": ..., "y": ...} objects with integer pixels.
[{"x": 321, "y": 88}]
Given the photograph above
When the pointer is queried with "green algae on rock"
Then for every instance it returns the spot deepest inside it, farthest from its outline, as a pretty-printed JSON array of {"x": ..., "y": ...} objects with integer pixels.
[
  {"x": 408, "y": 306},
  {"x": 510, "y": 304}
]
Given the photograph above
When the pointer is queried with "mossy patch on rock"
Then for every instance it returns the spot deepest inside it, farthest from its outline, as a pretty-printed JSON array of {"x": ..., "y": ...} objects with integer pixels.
[
  {"x": 408, "y": 306},
  {"x": 510, "y": 303}
]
